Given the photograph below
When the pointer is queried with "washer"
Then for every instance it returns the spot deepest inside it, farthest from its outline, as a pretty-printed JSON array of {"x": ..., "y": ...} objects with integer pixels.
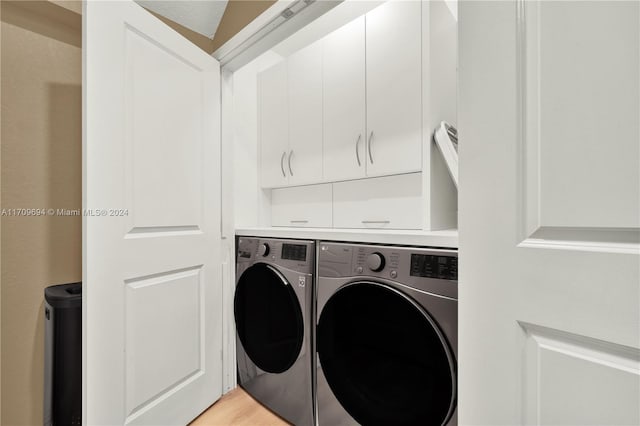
[
  {"x": 273, "y": 305},
  {"x": 386, "y": 335}
]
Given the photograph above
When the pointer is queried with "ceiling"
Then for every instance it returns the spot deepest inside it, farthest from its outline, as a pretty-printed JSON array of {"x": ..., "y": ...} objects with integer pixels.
[
  {"x": 236, "y": 15},
  {"x": 201, "y": 16}
]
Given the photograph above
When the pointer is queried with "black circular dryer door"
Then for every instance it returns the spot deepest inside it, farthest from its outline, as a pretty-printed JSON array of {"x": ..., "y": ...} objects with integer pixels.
[
  {"x": 268, "y": 318},
  {"x": 384, "y": 358}
]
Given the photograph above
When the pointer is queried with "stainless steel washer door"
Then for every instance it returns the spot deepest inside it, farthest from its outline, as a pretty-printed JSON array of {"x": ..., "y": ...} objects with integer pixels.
[
  {"x": 268, "y": 318},
  {"x": 384, "y": 357}
]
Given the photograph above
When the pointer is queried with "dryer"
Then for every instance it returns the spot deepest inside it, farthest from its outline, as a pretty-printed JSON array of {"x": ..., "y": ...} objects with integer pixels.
[
  {"x": 386, "y": 335},
  {"x": 273, "y": 305}
]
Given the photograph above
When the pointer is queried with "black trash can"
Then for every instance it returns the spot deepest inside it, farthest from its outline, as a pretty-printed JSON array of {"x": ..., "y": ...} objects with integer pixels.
[{"x": 63, "y": 355}]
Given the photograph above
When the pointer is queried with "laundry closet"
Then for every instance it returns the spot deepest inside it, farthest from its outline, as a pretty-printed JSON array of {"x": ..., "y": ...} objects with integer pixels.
[{"x": 339, "y": 147}]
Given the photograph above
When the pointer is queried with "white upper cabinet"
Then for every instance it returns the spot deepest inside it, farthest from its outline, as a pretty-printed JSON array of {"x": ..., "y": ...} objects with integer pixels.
[
  {"x": 393, "y": 73},
  {"x": 304, "y": 158},
  {"x": 343, "y": 78},
  {"x": 273, "y": 125},
  {"x": 349, "y": 105}
]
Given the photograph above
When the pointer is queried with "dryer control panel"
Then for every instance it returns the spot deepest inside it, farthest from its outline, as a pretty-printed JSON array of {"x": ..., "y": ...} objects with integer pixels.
[
  {"x": 434, "y": 266},
  {"x": 428, "y": 269}
]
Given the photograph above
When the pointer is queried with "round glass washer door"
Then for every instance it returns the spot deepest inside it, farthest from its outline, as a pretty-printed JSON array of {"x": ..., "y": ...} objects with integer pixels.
[
  {"x": 384, "y": 357},
  {"x": 268, "y": 318}
]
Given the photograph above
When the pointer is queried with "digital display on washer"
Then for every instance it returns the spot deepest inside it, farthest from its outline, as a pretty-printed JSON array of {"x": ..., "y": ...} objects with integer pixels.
[
  {"x": 434, "y": 266},
  {"x": 294, "y": 252}
]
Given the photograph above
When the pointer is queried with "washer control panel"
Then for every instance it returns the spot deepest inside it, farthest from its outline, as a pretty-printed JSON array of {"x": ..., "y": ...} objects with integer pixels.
[
  {"x": 293, "y": 254},
  {"x": 429, "y": 269}
]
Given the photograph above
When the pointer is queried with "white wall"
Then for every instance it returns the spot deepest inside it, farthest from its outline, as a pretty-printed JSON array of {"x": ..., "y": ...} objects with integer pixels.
[
  {"x": 442, "y": 106},
  {"x": 249, "y": 200}
]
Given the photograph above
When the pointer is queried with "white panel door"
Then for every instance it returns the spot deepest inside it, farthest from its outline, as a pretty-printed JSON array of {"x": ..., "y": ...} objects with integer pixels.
[
  {"x": 343, "y": 85},
  {"x": 151, "y": 245},
  {"x": 394, "y": 100},
  {"x": 273, "y": 126},
  {"x": 304, "y": 71},
  {"x": 549, "y": 127}
]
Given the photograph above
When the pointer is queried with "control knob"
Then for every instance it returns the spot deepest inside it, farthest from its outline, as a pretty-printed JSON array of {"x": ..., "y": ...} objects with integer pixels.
[
  {"x": 375, "y": 262},
  {"x": 263, "y": 250}
]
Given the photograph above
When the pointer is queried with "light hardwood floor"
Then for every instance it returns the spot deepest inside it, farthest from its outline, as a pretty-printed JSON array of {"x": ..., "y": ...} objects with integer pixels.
[{"x": 237, "y": 408}]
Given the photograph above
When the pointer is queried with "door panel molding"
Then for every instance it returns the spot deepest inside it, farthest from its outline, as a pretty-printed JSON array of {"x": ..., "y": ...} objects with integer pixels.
[
  {"x": 590, "y": 213},
  {"x": 143, "y": 408},
  {"x": 156, "y": 150},
  {"x": 609, "y": 240},
  {"x": 549, "y": 357},
  {"x": 155, "y": 231},
  {"x": 159, "y": 312}
]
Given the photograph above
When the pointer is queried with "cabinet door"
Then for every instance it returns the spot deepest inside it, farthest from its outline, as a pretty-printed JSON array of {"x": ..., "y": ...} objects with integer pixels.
[
  {"x": 344, "y": 102},
  {"x": 304, "y": 158},
  {"x": 274, "y": 137},
  {"x": 394, "y": 102},
  {"x": 302, "y": 206},
  {"x": 391, "y": 202}
]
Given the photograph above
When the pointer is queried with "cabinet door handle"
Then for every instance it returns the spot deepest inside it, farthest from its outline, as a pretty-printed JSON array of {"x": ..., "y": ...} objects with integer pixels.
[
  {"x": 370, "y": 154},
  {"x": 299, "y": 221},
  {"x": 290, "y": 155},
  {"x": 357, "y": 151},
  {"x": 282, "y": 164},
  {"x": 376, "y": 221}
]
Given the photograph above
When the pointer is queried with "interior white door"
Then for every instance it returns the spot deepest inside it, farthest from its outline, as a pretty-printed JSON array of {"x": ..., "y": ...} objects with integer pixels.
[
  {"x": 549, "y": 212},
  {"x": 304, "y": 71},
  {"x": 394, "y": 99},
  {"x": 343, "y": 86},
  {"x": 151, "y": 244},
  {"x": 273, "y": 125}
]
